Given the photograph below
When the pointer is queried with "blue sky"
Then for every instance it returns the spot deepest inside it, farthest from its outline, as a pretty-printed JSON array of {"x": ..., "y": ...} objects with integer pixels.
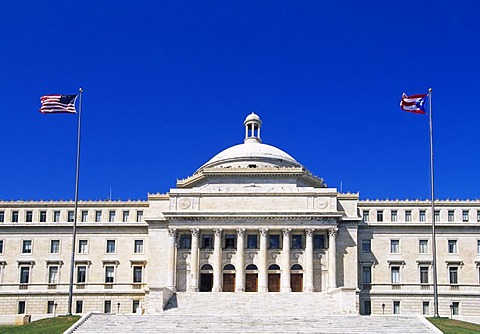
[{"x": 167, "y": 85}]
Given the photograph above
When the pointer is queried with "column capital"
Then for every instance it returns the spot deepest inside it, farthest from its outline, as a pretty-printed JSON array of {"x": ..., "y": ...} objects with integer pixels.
[
  {"x": 218, "y": 232},
  {"x": 263, "y": 232},
  {"x": 195, "y": 232},
  {"x": 172, "y": 232},
  {"x": 333, "y": 232},
  {"x": 286, "y": 232},
  {"x": 241, "y": 232},
  {"x": 309, "y": 232}
]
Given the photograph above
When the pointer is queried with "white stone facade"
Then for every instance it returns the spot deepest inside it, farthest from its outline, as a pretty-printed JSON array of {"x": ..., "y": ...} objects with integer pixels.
[{"x": 252, "y": 219}]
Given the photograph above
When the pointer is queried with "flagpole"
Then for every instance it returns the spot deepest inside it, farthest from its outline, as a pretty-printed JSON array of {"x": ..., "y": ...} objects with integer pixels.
[
  {"x": 74, "y": 232},
  {"x": 434, "y": 243}
]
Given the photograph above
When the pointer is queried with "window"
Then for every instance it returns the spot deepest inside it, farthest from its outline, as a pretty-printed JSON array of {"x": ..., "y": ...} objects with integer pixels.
[
  {"x": 135, "y": 306},
  {"x": 2, "y": 216},
  {"x": 465, "y": 216},
  {"x": 54, "y": 246},
  {"x": 252, "y": 241},
  {"x": 185, "y": 241},
  {"x": 27, "y": 247},
  {"x": 83, "y": 246},
  {"x": 138, "y": 247},
  {"x": 81, "y": 274},
  {"x": 29, "y": 216},
  {"x": 230, "y": 241},
  {"x": 478, "y": 216},
  {"x": 84, "y": 216},
  {"x": 24, "y": 275},
  {"x": 366, "y": 275},
  {"x": 53, "y": 274},
  {"x": 98, "y": 216},
  {"x": 453, "y": 275},
  {"x": 318, "y": 241},
  {"x": 426, "y": 308},
  {"x": 21, "y": 307},
  {"x": 50, "y": 306},
  {"x": 393, "y": 216},
  {"x": 14, "y": 216},
  {"x": 450, "y": 215},
  {"x": 423, "y": 246},
  {"x": 79, "y": 306},
  {"x": 455, "y": 308},
  {"x": 380, "y": 216},
  {"x": 1, "y": 246},
  {"x": 366, "y": 216},
  {"x": 56, "y": 216},
  {"x": 207, "y": 241},
  {"x": 125, "y": 216},
  {"x": 437, "y": 217},
  {"x": 70, "y": 216},
  {"x": 273, "y": 241},
  {"x": 111, "y": 216},
  {"x": 422, "y": 216},
  {"x": 452, "y": 246},
  {"x": 107, "y": 306},
  {"x": 43, "y": 216},
  {"x": 137, "y": 274},
  {"x": 110, "y": 246},
  {"x": 408, "y": 215},
  {"x": 139, "y": 216},
  {"x": 424, "y": 275},
  {"x": 395, "y": 274},
  {"x": 394, "y": 246},
  {"x": 478, "y": 247},
  {"x": 296, "y": 241},
  {"x": 396, "y": 307},
  {"x": 109, "y": 274},
  {"x": 366, "y": 246}
]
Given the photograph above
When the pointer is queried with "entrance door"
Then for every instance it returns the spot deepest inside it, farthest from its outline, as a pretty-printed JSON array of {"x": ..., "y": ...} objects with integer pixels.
[
  {"x": 206, "y": 282},
  {"x": 182, "y": 278},
  {"x": 228, "y": 283},
  {"x": 296, "y": 281},
  {"x": 251, "y": 282},
  {"x": 273, "y": 282}
]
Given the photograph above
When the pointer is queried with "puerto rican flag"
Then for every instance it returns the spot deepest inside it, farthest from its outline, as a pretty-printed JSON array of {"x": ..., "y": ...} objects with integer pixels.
[{"x": 414, "y": 103}]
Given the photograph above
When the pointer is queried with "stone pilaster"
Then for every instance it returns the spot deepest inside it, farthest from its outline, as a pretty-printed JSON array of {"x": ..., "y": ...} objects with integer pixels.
[
  {"x": 240, "y": 257},
  {"x": 262, "y": 267},
  {"x": 285, "y": 278}
]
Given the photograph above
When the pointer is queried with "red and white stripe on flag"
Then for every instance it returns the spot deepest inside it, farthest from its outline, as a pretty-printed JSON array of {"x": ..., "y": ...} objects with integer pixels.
[
  {"x": 58, "y": 103},
  {"x": 413, "y": 103}
]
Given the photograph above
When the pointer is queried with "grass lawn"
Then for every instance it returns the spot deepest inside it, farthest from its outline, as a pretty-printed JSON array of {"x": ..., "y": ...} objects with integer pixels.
[
  {"x": 43, "y": 326},
  {"x": 449, "y": 326}
]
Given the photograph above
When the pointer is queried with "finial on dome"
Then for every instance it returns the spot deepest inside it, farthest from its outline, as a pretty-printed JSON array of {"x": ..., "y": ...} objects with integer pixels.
[{"x": 252, "y": 123}]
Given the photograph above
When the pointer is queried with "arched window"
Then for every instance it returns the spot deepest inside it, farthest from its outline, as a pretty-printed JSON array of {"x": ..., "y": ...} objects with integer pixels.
[
  {"x": 207, "y": 267},
  {"x": 251, "y": 267},
  {"x": 274, "y": 267},
  {"x": 296, "y": 267},
  {"x": 229, "y": 267}
]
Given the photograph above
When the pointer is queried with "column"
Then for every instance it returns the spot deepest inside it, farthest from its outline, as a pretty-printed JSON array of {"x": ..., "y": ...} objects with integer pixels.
[
  {"x": 172, "y": 235},
  {"x": 217, "y": 261},
  {"x": 262, "y": 263},
  {"x": 240, "y": 263},
  {"x": 286, "y": 286},
  {"x": 194, "y": 260},
  {"x": 332, "y": 258},
  {"x": 309, "y": 260}
]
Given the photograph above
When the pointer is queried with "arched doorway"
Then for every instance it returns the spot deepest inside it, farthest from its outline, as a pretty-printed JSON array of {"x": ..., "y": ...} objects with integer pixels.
[
  {"x": 274, "y": 278},
  {"x": 296, "y": 278},
  {"x": 206, "y": 278},
  {"x": 251, "y": 278},
  {"x": 229, "y": 278}
]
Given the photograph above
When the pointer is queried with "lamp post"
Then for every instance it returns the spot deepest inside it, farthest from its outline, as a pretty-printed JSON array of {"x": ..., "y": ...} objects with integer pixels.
[
  {"x": 55, "y": 309},
  {"x": 383, "y": 308},
  {"x": 118, "y": 308},
  {"x": 451, "y": 311}
]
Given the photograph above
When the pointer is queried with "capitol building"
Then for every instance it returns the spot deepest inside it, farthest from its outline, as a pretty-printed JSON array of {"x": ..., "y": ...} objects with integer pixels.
[{"x": 252, "y": 220}]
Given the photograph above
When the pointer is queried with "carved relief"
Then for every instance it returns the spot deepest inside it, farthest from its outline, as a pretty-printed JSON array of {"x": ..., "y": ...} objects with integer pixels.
[
  {"x": 333, "y": 232},
  {"x": 172, "y": 232},
  {"x": 286, "y": 232},
  {"x": 184, "y": 203},
  {"x": 264, "y": 232},
  {"x": 309, "y": 232},
  {"x": 195, "y": 232},
  {"x": 321, "y": 203},
  {"x": 218, "y": 232},
  {"x": 241, "y": 232}
]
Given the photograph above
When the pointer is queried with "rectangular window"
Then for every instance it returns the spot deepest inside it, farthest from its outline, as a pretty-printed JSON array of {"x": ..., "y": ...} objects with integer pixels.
[
  {"x": 424, "y": 275},
  {"x": 27, "y": 247},
  {"x": 2, "y": 216},
  {"x": 111, "y": 246},
  {"x": 394, "y": 216},
  {"x": 70, "y": 216},
  {"x": 24, "y": 275},
  {"x": 1, "y": 246},
  {"x": 465, "y": 216},
  {"x": 252, "y": 241},
  {"x": 456, "y": 308},
  {"x": 478, "y": 247},
  {"x": 273, "y": 241},
  {"x": 79, "y": 306},
  {"x": 14, "y": 216},
  {"x": 138, "y": 248},
  {"x": 54, "y": 246},
  {"x": 426, "y": 308},
  {"x": 395, "y": 271},
  {"x": 43, "y": 216},
  {"x": 111, "y": 216},
  {"x": 207, "y": 241},
  {"x": 452, "y": 246},
  {"x": 84, "y": 216},
  {"x": 366, "y": 216},
  {"x": 125, "y": 216},
  {"x": 437, "y": 217},
  {"x": 396, "y": 307},
  {"x": 56, "y": 216},
  {"x": 423, "y": 246},
  {"x": 453, "y": 275},
  {"x": 139, "y": 216},
  {"x": 53, "y": 274},
  {"x": 185, "y": 241},
  {"x": 137, "y": 274},
  {"x": 82, "y": 246},
  {"x": 81, "y": 274},
  {"x": 366, "y": 246},
  {"x": 21, "y": 307},
  {"x": 380, "y": 216},
  {"x": 230, "y": 241},
  {"x": 136, "y": 306},
  {"x": 297, "y": 241},
  {"x": 478, "y": 216},
  {"x": 98, "y": 216},
  {"x": 366, "y": 275},
  {"x": 408, "y": 215},
  {"x": 394, "y": 246},
  {"x": 29, "y": 216},
  {"x": 50, "y": 306},
  {"x": 451, "y": 215},
  {"x": 422, "y": 216},
  {"x": 109, "y": 274},
  {"x": 318, "y": 241},
  {"x": 107, "y": 306}
]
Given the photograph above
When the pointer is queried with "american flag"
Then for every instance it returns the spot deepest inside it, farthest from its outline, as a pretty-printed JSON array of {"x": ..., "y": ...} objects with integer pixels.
[
  {"x": 413, "y": 103},
  {"x": 58, "y": 103}
]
